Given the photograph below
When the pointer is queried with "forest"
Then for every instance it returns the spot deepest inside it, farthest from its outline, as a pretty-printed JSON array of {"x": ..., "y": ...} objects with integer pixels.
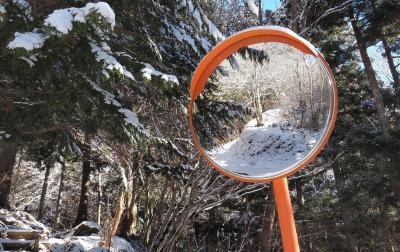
[{"x": 96, "y": 153}]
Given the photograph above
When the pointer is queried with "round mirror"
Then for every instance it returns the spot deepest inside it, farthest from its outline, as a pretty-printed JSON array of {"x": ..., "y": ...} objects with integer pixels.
[{"x": 262, "y": 108}]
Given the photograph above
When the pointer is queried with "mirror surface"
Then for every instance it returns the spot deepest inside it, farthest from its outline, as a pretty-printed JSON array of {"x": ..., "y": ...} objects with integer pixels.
[{"x": 264, "y": 110}]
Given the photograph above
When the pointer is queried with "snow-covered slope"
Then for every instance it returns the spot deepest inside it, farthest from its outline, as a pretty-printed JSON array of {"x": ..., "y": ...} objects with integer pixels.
[
  {"x": 266, "y": 150},
  {"x": 18, "y": 231}
]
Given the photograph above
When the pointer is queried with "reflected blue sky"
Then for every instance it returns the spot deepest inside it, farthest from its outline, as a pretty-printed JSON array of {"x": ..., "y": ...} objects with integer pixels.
[{"x": 271, "y": 4}]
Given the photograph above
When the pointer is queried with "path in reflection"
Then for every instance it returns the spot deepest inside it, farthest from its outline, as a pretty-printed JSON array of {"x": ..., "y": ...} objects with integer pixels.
[{"x": 263, "y": 151}]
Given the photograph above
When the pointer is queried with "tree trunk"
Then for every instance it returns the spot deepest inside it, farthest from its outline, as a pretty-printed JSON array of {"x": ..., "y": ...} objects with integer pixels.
[
  {"x": 258, "y": 106},
  {"x": 8, "y": 153},
  {"x": 304, "y": 230},
  {"x": 118, "y": 211},
  {"x": 57, "y": 217},
  {"x": 268, "y": 222},
  {"x": 129, "y": 225},
  {"x": 130, "y": 221},
  {"x": 260, "y": 11},
  {"x": 339, "y": 182},
  {"x": 294, "y": 13},
  {"x": 44, "y": 192},
  {"x": 392, "y": 66},
  {"x": 257, "y": 99},
  {"x": 373, "y": 83},
  {"x": 99, "y": 195},
  {"x": 82, "y": 214},
  {"x": 212, "y": 236}
]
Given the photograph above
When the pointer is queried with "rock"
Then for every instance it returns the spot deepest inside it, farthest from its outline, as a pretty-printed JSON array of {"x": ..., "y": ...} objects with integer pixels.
[
  {"x": 73, "y": 246},
  {"x": 86, "y": 228}
]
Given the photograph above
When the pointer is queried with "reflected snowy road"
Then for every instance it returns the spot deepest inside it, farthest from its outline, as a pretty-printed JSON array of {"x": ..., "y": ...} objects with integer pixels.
[{"x": 265, "y": 150}]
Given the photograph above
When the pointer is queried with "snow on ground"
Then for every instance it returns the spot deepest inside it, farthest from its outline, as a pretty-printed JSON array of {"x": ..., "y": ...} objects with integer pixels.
[
  {"x": 27, "y": 40},
  {"x": 18, "y": 221},
  {"x": 87, "y": 243},
  {"x": 149, "y": 70},
  {"x": 266, "y": 150}
]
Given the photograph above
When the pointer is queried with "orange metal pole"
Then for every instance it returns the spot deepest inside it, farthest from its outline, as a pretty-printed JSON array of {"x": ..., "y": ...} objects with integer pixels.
[{"x": 285, "y": 216}]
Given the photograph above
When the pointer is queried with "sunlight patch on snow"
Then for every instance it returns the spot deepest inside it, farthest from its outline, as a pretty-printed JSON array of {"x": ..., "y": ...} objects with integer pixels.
[
  {"x": 103, "y": 54},
  {"x": 265, "y": 150},
  {"x": 149, "y": 70},
  {"x": 27, "y": 40}
]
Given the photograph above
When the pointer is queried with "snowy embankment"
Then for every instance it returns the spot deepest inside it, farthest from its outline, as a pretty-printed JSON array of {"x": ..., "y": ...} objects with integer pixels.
[
  {"x": 20, "y": 231},
  {"x": 265, "y": 150}
]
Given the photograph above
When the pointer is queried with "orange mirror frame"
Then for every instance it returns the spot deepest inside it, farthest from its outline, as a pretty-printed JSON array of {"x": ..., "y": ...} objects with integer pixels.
[{"x": 261, "y": 34}]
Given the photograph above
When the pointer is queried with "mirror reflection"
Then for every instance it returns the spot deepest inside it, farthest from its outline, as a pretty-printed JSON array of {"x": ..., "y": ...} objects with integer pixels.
[{"x": 264, "y": 110}]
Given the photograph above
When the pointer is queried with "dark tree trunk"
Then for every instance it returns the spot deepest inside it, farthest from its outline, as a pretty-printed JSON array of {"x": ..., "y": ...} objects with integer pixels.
[
  {"x": 304, "y": 230},
  {"x": 373, "y": 83},
  {"x": 82, "y": 214},
  {"x": 99, "y": 195},
  {"x": 8, "y": 153},
  {"x": 294, "y": 12},
  {"x": 57, "y": 218},
  {"x": 339, "y": 182},
  {"x": 44, "y": 192},
  {"x": 129, "y": 225},
  {"x": 392, "y": 66},
  {"x": 212, "y": 236},
  {"x": 268, "y": 222},
  {"x": 260, "y": 11}
]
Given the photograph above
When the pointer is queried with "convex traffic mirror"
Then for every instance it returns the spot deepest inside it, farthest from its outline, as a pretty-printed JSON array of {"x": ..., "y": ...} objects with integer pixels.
[{"x": 263, "y": 104}]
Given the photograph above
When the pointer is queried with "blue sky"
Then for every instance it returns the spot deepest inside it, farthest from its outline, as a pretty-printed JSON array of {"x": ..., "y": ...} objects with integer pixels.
[{"x": 270, "y": 4}]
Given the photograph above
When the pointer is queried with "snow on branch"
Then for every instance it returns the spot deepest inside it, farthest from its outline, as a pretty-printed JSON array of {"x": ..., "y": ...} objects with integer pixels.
[
  {"x": 25, "y": 8},
  {"x": 130, "y": 117},
  {"x": 181, "y": 35},
  {"x": 62, "y": 19},
  {"x": 252, "y": 6},
  {"x": 149, "y": 70},
  {"x": 27, "y": 40},
  {"x": 178, "y": 172},
  {"x": 103, "y": 54},
  {"x": 202, "y": 20}
]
